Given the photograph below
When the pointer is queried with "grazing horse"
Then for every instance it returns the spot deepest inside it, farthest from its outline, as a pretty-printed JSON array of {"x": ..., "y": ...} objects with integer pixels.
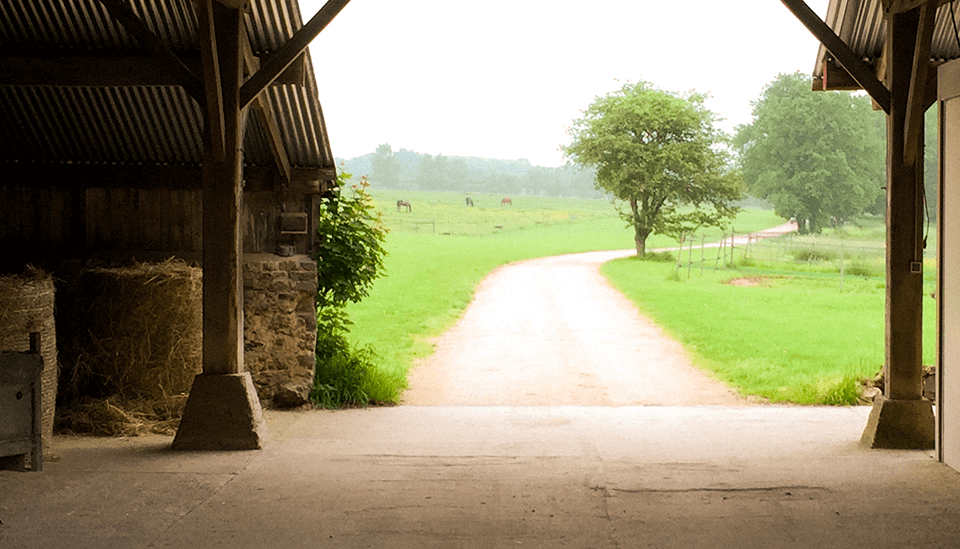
[
  {"x": 506, "y": 202},
  {"x": 469, "y": 202},
  {"x": 403, "y": 204}
]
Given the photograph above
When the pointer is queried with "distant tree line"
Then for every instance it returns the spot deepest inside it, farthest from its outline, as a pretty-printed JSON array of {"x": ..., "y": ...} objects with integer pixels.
[{"x": 405, "y": 169}]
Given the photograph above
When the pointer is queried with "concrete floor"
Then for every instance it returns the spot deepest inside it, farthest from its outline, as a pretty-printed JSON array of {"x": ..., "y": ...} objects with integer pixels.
[{"x": 761, "y": 476}]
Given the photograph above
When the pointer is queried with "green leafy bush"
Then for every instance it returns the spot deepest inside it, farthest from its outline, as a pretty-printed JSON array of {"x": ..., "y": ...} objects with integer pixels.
[
  {"x": 811, "y": 255},
  {"x": 660, "y": 257},
  {"x": 861, "y": 270},
  {"x": 350, "y": 260},
  {"x": 344, "y": 377}
]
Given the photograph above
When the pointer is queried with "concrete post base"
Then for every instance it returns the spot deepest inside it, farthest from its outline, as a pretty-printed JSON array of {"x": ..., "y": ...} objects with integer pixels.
[
  {"x": 222, "y": 413},
  {"x": 900, "y": 424}
]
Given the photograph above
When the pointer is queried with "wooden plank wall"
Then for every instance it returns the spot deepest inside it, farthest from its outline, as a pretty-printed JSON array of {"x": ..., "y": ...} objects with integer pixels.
[
  {"x": 55, "y": 221},
  {"x": 160, "y": 220},
  {"x": 39, "y": 217}
]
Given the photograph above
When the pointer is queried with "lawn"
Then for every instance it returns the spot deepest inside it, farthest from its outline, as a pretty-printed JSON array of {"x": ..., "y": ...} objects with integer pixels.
[{"x": 798, "y": 339}]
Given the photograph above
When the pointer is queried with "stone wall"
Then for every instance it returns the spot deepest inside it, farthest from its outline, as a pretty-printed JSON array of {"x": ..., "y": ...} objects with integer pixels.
[{"x": 280, "y": 326}]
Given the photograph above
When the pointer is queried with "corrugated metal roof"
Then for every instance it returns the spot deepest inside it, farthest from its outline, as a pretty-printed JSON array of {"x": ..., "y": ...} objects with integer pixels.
[
  {"x": 860, "y": 24},
  {"x": 156, "y": 124}
]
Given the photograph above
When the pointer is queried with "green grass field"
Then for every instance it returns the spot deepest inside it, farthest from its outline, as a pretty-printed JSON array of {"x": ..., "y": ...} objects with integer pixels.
[{"x": 789, "y": 340}]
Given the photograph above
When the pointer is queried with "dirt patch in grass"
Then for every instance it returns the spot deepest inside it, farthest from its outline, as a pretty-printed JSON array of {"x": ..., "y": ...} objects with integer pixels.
[{"x": 749, "y": 281}]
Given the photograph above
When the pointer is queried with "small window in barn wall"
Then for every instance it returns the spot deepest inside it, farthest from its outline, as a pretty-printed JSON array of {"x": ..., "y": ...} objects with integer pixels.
[{"x": 293, "y": 223}]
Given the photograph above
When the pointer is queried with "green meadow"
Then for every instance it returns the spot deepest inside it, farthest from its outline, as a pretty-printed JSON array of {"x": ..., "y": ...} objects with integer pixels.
[
  {"x": 796, "y": 339},
  {"x": 790, "y": 339}
]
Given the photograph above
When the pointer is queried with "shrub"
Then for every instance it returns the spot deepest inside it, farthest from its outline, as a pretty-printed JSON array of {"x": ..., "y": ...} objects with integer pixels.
[
  {"x": 811, "y": 255},
  {"x": 343, "y": 378},
  {"x": 659, "y": 257},
  {"x": 350, "y": 259},
  {"x": 859, "y": 270}
]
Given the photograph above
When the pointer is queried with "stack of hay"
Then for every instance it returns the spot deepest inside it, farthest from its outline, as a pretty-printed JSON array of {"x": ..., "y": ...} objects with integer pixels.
[
  {"x": 27, "y": 305},
  {"x": 131, "y": 344}
]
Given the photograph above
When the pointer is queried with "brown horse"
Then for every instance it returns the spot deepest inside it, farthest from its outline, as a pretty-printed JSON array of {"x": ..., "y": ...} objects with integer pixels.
[
  {"x": 506, "y": 202},
  {"x": 403, "y": 204}
]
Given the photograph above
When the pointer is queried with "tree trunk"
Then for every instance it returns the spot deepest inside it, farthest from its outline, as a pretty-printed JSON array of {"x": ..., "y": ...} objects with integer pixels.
[
  {"x": 815, "y": 226},
  {"x": 640, "y": 239},
  {"x": 640, "y": 234}
]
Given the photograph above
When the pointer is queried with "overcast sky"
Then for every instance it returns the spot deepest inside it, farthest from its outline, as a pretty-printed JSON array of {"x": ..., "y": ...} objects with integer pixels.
[{"x": 505, "y": 78}]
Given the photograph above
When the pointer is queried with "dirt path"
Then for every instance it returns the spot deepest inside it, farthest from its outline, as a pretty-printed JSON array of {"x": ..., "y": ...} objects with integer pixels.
[{"x": 552, "y": 331}]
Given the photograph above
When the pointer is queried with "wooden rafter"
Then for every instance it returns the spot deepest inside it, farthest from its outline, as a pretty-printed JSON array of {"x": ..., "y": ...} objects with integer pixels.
[
  {"x": 278, "y": 62},
  {"x": 916, "y": 100},
  {"x": 122, "y": 12},
  {"x": 82, "y": 176},
  {"x": 108, "y": 71},
  {"x": 267, "y": 119},
  {"x": 860, "y": 71},
  {"x": 213, "y": 113},
  {"x": 274, "y": 138}
]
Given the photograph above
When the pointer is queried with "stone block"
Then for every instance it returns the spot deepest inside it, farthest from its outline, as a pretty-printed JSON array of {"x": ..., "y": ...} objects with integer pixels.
[
  {"x": 222, "y": 413},
  {"x": 900, "y": 424},
  {"x": 306, "y": 287},
  {"x": 291, "y": 395}
]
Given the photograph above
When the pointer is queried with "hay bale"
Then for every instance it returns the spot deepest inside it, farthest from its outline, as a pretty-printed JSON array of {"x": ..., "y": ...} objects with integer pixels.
[
  {"x": 27, "y": 305},
  {"x": 131, "y": 337}
]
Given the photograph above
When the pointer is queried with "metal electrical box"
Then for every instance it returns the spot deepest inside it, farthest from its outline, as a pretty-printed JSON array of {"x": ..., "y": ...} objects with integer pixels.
[{"x": 21, "y": 409}]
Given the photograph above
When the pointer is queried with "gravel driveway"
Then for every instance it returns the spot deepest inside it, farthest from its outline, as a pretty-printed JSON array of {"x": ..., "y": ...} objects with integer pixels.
[{"x": 553, "y": 332}]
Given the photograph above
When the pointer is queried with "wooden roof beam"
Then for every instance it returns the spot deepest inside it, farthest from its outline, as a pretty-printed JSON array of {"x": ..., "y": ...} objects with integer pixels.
[
  {"x": 260, "y": 106},
  {"x": 278, "y": 62},
  {"x": 213, "y": 113},
  {"x": 121, "y": 11},
  {"x": 151, "y": 176},
  {"x": 108, "y": 71},
  {"x": 860, "y": 71},
  {"x": 918, "y": 82}
]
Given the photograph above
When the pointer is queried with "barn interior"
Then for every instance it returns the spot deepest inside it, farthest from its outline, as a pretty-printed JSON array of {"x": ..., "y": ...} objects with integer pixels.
[{"x": 122, "y": 127}]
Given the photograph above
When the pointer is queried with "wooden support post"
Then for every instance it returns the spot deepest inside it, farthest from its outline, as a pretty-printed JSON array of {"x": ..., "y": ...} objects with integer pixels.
[
  {"x": 222, "y": 252},
  {"x": 902, "y": 419},
  {"x": 223, "y": 411}
]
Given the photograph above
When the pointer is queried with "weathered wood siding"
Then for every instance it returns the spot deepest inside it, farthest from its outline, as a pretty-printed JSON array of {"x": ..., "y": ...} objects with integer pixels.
[
  {"x": 54, "y": 221},
  {"x": 161, "y": 220},
  {"x": 36, "y": 218}
]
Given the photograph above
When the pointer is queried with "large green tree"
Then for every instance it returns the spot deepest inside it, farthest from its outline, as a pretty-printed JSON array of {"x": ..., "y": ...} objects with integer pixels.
[
  {"x": 816, "y": 156},
  {"x": 659, "y": 154}
]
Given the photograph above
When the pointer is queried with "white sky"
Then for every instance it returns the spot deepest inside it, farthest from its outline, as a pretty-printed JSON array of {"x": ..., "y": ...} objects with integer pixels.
[{"x": 505, "y": 78}]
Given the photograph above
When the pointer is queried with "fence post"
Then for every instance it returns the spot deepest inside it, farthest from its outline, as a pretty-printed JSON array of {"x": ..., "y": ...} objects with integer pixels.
[
  {"x": 689, "y": 259},
  {"x": 723, "y": 240},
  {"x": 703, "y": 258},
  {"x": 679, "y": 257},
  {"x": 733, "y": 245}
]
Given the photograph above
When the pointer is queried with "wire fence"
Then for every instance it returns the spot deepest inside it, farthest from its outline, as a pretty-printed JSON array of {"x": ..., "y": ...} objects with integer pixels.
[
  {"x": 475, "y": 222},
  {"x": 788, "y": 255}
]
